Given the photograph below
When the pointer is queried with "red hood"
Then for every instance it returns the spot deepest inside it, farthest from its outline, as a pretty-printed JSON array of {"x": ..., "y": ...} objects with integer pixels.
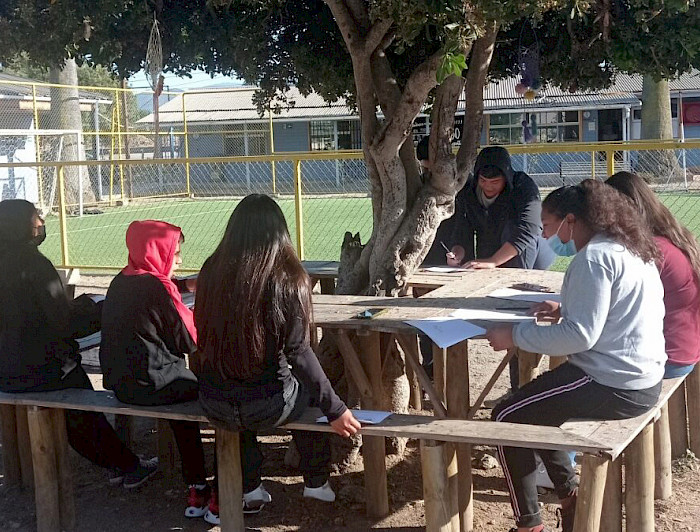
[{"x": 151, "y": 246}]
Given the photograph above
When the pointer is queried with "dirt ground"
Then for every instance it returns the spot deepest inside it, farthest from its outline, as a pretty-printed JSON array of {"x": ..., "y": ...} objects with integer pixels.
[{"x": 159, "y": 504}]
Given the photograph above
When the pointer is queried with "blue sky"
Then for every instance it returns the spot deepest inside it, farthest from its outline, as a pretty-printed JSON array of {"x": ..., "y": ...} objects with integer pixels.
[{"x": 199, "y": 80}]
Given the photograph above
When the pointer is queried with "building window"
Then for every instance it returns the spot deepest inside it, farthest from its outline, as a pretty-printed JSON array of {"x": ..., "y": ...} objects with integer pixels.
[
  {"x": 335, "y": 135},
  {"x": 548, "y": 126},
  {"x": 246, "y": 139}
]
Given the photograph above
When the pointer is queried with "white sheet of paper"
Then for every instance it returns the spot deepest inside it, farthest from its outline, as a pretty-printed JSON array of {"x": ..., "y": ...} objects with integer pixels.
[
  {"x": 368, "y": 417},
  {"x": 490, "y": 315},
  {"x": 524, "y": 295},
  {"x": 445, "y": 269},
  {"x": 88, "y": 342},
  {"x": 447, "y": 331},
  {"x": 97, "y": 297}
]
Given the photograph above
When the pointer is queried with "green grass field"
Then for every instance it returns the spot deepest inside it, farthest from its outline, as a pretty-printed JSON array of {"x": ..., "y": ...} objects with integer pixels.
[{"x": 98, "y": 240}]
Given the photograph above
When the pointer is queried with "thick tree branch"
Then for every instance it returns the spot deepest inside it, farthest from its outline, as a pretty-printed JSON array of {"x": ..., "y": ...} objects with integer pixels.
[
  {"x": 376, "y": 34},
  {"x": 479, "y": 63},
  {"x": 347, "y": 24}
]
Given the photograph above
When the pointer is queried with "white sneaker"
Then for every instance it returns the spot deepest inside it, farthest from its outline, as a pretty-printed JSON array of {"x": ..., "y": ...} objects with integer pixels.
[
  {"x": 253, "y": 501},
  {"x": 325, "y": 493}
]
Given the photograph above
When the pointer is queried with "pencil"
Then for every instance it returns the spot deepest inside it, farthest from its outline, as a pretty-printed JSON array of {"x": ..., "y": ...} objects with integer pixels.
[{"x": 445, "y": 247}]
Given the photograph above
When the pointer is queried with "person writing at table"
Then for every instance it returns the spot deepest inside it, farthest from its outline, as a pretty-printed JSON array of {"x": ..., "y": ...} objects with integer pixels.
[
  {"x": 679, "y": 269},
  {"x": 253, "y": 315},
  {"x": 38, "y": 327},
  {"x": 609, "y": 323},
  {"x": 147, "y": 331}
]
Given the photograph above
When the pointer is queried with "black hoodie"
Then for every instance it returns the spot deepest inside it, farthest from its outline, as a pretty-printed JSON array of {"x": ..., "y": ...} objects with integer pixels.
[{"x": 514, "y": 217}]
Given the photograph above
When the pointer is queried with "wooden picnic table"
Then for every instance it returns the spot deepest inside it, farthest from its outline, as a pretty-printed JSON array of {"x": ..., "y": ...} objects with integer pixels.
[{"x": 450, "y": 392}]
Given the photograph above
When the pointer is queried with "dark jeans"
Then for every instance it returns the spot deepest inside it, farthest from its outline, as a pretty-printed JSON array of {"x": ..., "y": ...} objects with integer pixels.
[
  {"x": 556, "y": 396},
  {"x": 89, "y": 433},
  {"x": 247, "y": 418},
  {"x": 187, "y": 435}
]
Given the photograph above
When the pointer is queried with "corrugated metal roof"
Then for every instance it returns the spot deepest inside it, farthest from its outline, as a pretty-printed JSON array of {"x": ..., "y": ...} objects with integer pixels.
[
  {"x": 237, "y": 104},
  {"x": 633, "y": 83},
  {"x": 11, "y": 85}
]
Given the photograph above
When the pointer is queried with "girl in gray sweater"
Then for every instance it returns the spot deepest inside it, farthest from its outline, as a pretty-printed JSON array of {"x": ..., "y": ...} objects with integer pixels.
[{"x": 609, "y": 323}]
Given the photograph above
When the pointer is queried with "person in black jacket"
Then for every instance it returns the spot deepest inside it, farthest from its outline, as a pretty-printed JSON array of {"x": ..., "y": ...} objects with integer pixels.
[
  {"x": 146, "y": 333},
  {"x": 253, "y": 315},
  {"x": 38, "y": 327},
  {"x": 497, "y": 222}
]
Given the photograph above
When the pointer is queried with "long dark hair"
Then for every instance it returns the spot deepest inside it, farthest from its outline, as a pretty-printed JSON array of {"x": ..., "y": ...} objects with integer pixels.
[
  {"x": 657, "y": 215},
  {"x": 605, "y": 211},
  {"x": 247, "y": 289}
]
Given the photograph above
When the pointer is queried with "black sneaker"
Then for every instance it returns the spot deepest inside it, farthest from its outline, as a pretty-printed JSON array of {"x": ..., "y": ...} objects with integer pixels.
[{"x": 145, "y": 470}]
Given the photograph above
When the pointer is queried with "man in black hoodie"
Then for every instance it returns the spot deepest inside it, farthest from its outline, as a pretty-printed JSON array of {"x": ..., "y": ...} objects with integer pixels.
[{"x": 497, "y": 220}]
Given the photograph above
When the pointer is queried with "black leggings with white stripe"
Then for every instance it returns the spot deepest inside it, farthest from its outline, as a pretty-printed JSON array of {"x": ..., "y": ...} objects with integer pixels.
[{"x": 556, "y": 396}]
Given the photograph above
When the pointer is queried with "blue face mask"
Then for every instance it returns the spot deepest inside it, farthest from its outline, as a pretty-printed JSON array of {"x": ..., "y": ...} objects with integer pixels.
[{"x": 563, "y": 249}]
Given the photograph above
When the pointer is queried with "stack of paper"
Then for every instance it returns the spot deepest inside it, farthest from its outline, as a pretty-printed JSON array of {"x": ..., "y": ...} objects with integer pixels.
[
  {"x": 490, "y": 315},
  {"x": 446, "y": 269},
  {"x": 367, "y": 417},
  {"x": 524, "y": 295},
  {"x": 447, "y": 331}
]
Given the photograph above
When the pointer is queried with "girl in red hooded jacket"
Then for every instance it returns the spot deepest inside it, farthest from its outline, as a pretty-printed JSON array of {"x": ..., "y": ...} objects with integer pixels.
[{"x": 146, "y": 332}]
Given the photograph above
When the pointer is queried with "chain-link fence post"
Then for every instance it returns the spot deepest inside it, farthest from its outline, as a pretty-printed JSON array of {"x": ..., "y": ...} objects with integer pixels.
[
  {"x": 37, "y": 145},
  {"x": 187, "y": 145},
  {"x": 297, "y": 209},
  {"x": 63, "y": 226},
  {"x": 610, "y": 160},
  {"x": 593, "y": 154},
  {"x": 272, "y": 151}
]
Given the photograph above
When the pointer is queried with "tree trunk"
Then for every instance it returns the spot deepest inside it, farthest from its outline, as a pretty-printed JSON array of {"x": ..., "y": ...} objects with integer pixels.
[
  {"x": 65, "y": 111},
  {"x": 660, "y": 166}
]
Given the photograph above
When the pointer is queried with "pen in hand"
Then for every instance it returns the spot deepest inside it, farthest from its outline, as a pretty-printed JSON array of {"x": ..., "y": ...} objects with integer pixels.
[{"x": 450, "y": 255}]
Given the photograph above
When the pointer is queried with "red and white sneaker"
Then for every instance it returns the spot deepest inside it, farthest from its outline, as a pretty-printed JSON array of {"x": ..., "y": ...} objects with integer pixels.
[
  {"x": 197, "y": 501},
  {"x": 212, "y": 514}
]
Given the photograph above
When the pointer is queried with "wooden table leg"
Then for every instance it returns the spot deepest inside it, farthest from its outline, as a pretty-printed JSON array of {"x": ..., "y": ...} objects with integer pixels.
[
  {"x": 374, "y": 447},
  {"x": 662, "y": 456},
  {"x": 167, "y": 452},
  {"x": 435, "y": 487},
  {"x": 439, "y": 368},
  {"x": 230, "y": 479},
  {"x": 639, "y": 485},
  {"x": 25, "y": 451},
  {"x": 10, "y": 450},
  {"x": 409, "y": 344},
  {"x": 457, "y": 385},
  {"x": 591, "y": 493},
  {"x": 66, "y": 494},
  {"x": 124, "y": 427},
  {"x": 677, "y": 422},
  {"x": 611, "y": 518},
  {"x": 527, "y": 365},
  {"x": 327, "y": 285},
  {"x": 692, "y": 385},
  {"x": 555, "y": 362},
  {"x": 416, "y": 397},
  {"x": 43, "y": 451}
]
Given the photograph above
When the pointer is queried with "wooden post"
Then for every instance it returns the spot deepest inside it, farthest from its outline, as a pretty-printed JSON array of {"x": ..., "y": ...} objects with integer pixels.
[
  {"x": 166, "y": 447},
  {"x": 527, "y": 365},
  {"x": 677, "y": 422},
  {"x": 66, "y": 494},
  {"x": 230, "y": 478},
  {"x": 662, "y": 456},
  {"x": 639, "y": 482},
  {"x": 374, "y": 447},
  {"x": 589, "y": 503},
  {"x": 25, "y": 451},
  {"x": 457, "y": 386},
  {"x": 410, "y": 347},
  {"x": 435, "y": 488},
  {"x": 692, "y": 386},
  {"x": 10, "y": 451},
  {"x": 611, "y": 518},
  {"x": 124, "y": 427},
  {"x": 327, "y": 285},
  {"x": 555, "y": 362},
  {"x": 43, "y": 451},
  {"x": 439, "y": 363},
  {"x": 416, "y": 398}
]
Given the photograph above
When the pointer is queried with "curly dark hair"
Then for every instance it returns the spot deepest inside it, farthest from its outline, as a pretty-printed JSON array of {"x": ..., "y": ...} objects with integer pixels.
[{"x": 605, "y": 211}]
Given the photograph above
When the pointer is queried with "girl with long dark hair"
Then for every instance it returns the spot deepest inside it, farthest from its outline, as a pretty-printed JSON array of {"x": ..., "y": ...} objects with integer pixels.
[
  {"x": 253, "y": 315},
  {"x": 679, "y": 269},
  {"x": 609, "y": 323},
  {"x": 38, "y": 328}
]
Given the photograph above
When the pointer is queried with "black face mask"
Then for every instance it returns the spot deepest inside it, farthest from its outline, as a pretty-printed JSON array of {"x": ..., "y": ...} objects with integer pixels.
[{"x": 39, "y": 238}]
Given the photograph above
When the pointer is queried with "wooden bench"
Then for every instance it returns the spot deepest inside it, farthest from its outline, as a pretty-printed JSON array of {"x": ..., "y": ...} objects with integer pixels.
[{"x": 49, "y": 448}]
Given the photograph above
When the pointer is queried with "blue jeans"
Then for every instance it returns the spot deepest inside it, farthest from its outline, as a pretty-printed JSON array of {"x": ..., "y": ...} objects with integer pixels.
[{"x": 675, "y": 370}]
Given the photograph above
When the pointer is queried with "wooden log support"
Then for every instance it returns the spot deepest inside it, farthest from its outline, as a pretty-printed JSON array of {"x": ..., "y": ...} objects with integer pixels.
[
  {"x": 409, "y": 345},
  {"x": 439, "y": 368},
  {"x": 677, "y": 422},
  {"x": 230, "y": 478},
  {"x": 438, "y": 512},
  {"x": 692, "y": 386},
  {"x": 591, "y": 493},
  {"x": 25, "y": 451},
  {"x": 416, "y": 398},
  {"x": 555, "y": 362},
  {"x": 124, "y": 427},
  {"x": 167, "y": 448},
  {"x": 457, "y": 384},
  {"x": 611, "y": 518},
  {"x": 639, "y": 482},
  {"x": 527, "y": 365},
  {"x": 489, "y": 385},
  {"x": 12, "y": 470},
  {"x": 66, "y": 494},
  {"x": 374, "y": 447},
  {"x": 327, "y": 285},
  {"x": 662, "y": 456},
  {"x": 43, "y": 452},
  {"x": 353, "y": 364}
]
